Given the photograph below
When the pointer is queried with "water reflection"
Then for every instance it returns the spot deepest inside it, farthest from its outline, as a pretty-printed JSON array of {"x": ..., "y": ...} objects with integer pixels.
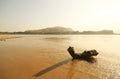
[
  {"x": 56, "y": 39},
  {"x": 90, "y": 60},
  {"x": 74, "y": 64}
]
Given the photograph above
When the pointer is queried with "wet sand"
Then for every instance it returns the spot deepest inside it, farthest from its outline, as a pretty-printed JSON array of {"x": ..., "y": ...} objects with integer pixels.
[
  {"x": 4, "y": 38},
  {"x": 39, "y": 58}
]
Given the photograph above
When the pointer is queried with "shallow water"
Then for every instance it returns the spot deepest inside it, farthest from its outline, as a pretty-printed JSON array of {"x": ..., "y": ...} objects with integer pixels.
[{"x": 46, "y": 57}]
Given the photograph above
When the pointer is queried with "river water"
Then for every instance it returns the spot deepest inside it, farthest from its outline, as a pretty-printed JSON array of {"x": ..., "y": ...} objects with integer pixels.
[{"x": 22, "y": 55}]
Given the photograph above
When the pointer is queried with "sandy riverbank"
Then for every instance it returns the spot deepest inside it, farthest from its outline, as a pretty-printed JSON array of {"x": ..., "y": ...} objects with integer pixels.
[
  {"x": 3, "y": 38},
  {"x": 35, "y": 57}
]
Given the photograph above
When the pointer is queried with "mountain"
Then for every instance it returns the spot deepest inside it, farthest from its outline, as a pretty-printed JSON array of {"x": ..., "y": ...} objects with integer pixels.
[
  {"x": 61, "y": 30},
  {"x": 99, "y": 32},
  {"x": 51, "y": 30}
]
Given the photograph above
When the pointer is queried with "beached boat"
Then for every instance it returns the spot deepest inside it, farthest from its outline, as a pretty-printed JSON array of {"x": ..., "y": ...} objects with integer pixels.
[{"x": 85, "y": 54}]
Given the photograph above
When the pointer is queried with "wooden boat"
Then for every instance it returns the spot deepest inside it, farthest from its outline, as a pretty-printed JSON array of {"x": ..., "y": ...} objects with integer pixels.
[{"x": 84, "y": 55}]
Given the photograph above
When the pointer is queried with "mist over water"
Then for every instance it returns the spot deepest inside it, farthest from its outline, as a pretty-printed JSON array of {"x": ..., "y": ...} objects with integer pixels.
[{"x": 46, "y": 48}]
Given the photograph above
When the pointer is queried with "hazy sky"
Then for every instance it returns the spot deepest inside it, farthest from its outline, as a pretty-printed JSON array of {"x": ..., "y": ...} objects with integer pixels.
[{"x": 20, "y": 15}]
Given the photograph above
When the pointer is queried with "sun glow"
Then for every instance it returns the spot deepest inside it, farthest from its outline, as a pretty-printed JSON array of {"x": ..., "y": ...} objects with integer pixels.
[
  {"x": 76, "y": 14},
  {"x": 109, "y": 14}
]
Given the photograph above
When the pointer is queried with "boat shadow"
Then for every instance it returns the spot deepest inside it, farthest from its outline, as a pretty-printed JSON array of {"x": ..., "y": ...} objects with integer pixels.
[
  {"x": 52, "y": 67},
  {"x": 46, "y": 70}
]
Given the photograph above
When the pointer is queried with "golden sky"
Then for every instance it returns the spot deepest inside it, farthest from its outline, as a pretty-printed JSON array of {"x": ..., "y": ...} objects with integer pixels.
[{"x": 20, "y": 15}]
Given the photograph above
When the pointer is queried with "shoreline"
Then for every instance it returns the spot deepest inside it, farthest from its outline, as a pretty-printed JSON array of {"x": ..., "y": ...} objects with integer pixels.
[{"x": 4, "y": 38}]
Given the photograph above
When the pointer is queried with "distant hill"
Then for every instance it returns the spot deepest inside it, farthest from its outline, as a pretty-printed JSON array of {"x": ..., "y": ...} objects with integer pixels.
[
  {"x": 99, "y": 32},
  {"x": 51, "y": 30},
  {"x": 60, "y": 30}
]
